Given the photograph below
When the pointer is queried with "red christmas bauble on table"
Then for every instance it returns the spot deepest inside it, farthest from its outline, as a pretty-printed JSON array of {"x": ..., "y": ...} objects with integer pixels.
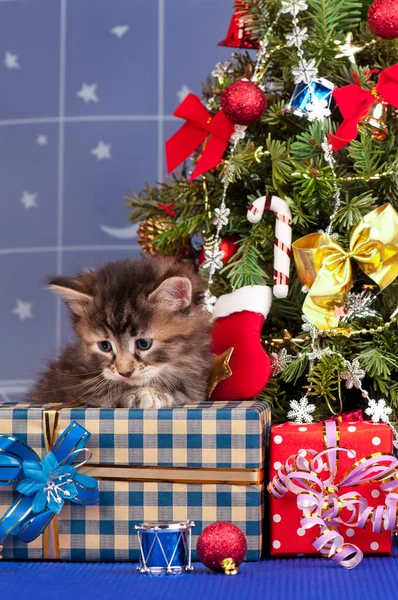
[
  {"x": 228, "y": 245},
  {"x": 383, "y": 19},
  {"x": 243, "y": 102},
  {"x": 221, "y": 547}
]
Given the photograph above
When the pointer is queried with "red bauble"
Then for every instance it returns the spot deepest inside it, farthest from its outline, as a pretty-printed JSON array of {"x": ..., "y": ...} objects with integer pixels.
[
  {"x": 243, "y": 102},
  {"x": 221, "y": 541},
  {"x": 238, "y": 36},
  {"x": 228, "y": 245},
  {"x": 383, "y": 19}
]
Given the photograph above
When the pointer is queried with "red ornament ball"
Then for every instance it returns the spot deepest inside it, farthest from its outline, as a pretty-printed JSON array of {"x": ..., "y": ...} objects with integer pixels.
[
  {"x": 228, "y": 245},
  {"x": 243, "y": 102},
  {"x": 220, "y": 541},
  {"x": 383, "y": 19}
]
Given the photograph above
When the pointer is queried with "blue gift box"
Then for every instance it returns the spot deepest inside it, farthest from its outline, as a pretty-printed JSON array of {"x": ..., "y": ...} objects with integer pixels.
[
  {"x": 202, "y": 462},
  {"x": 321, "y": 88}
]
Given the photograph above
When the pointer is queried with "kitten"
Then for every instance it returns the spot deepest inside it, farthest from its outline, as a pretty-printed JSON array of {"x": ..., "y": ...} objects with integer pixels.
[{"x": 142, "y": 337}]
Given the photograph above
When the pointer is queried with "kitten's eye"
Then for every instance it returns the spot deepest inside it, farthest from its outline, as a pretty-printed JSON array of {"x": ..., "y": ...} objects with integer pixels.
[
  {"x": 144, "y": 343},
  {"x": 105, "y": 346}
]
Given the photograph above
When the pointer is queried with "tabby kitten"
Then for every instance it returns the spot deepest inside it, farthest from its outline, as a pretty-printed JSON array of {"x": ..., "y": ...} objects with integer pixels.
[{"x": 142, "y": 337}]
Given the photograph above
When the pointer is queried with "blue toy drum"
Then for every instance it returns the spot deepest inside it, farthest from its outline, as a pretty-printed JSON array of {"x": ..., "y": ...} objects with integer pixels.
[{"x": 165, "y": 547}]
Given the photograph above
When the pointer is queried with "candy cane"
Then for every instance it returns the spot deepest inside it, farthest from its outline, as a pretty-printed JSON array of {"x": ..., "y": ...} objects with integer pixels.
[{"x": 283, "y": 238}]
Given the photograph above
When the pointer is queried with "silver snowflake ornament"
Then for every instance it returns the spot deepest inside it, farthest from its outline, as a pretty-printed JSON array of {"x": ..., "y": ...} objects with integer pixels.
[
  {"x": 301, "y": 411},
  {"x": 209, "y": 301},
  {"x": 213, "y": 258},
  {"x": 352, "y": 374},
  {"x": 211, "y": 104},
  {"x": 279, "y": 361},
  {"x": 328, "y": 152},
  {"x": 229, "y": 173},
  {"x": 318, "y": 109},
  {"x": 239, "y": 133},
  {"x": 221, "y": 216},
  {"x": 222, "y": 69},
  {"x": 309, "y": 327},
  {"x": 334, "y": 235},
  {"x": 317, "y": 353},
  {"x": 357, "y": 306},
  {"x": 379, "y": 411},
  {"x": 297, "y": 37},
  {"x": 293, "y": 6},
  {"x": 306, "y": 71}
]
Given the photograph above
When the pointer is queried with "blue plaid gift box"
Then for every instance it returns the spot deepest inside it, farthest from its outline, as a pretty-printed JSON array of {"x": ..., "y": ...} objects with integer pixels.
[{"x": 202, "y": 462}]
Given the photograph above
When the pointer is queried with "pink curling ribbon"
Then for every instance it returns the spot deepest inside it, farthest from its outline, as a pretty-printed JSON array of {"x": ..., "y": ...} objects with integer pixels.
[{"x": 322, "y": 500}]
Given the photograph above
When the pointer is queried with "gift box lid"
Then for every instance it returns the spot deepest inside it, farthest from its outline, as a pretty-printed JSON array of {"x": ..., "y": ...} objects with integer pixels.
[{"x": 219, "y": 435}]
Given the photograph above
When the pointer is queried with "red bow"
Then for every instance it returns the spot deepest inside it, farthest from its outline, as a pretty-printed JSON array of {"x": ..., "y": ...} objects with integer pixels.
[
  {"x": 199, "y": 127},
  {"x": 353, "y": 102},
  {"x": 352, "y": 415},
  {"x": 168, "y": 208}
]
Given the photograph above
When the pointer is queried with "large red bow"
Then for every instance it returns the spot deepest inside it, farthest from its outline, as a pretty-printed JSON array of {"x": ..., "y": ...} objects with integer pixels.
[
  {"x": 353, "y": 102},
  {"x": 200, "y": 126}
]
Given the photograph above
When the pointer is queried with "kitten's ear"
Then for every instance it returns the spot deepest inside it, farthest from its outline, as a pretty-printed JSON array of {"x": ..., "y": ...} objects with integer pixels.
[
  {"x": 68, "y": 288},
  {"x": 173, "y": 294}
]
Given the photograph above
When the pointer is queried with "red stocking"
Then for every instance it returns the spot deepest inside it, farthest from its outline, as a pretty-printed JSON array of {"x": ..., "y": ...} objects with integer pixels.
[{"x": 238, "y": 320}]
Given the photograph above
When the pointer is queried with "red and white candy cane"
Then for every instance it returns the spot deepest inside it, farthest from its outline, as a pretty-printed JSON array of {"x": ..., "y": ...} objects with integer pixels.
[{"x": 283, "y": 238}]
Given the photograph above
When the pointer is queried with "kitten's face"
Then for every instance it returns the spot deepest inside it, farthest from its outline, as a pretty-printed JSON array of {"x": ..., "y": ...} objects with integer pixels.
[
  {"x": 135, "y": 325},
  {"x": 136, "y": 360}
]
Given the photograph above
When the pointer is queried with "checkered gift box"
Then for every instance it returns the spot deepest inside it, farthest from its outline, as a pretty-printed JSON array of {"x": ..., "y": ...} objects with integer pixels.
[{"x": 202, "y": 462}]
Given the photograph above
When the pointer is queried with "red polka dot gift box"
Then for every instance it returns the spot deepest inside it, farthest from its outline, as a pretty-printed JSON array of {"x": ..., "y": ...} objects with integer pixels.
[{"x": 333, "y": 490}]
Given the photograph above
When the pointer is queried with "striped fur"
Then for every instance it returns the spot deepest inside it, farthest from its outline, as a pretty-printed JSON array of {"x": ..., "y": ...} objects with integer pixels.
[{"x": 122, "y": 302}]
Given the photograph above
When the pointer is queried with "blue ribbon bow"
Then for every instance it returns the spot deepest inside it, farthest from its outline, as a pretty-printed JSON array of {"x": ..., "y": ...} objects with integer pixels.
[{"x": 43, "y": 485}]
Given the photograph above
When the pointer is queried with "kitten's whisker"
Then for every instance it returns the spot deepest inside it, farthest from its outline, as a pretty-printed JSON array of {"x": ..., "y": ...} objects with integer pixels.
[
  {"x": 96, "y": 390},
  {"x": 82, "y": 384},
  {"x": 83, "y": 374},
  {"x": 172, "y": 390}
]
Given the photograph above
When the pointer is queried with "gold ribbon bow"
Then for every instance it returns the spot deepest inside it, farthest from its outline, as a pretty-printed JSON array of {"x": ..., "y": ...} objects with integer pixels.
[{"x": 325, "y": 267}]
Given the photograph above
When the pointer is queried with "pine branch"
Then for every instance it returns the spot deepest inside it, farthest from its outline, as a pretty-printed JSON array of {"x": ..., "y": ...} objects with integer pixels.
[
  {"x": 351, "y": 211},
  {"x": 329, "y": 17}
]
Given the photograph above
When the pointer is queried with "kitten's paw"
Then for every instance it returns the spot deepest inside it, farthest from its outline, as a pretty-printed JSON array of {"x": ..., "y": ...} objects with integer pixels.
[{"x": 151, "y": 398}]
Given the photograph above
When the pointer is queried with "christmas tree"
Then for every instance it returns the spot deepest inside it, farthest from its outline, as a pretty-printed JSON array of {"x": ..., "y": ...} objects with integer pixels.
[{"x": 310, "y": 122}]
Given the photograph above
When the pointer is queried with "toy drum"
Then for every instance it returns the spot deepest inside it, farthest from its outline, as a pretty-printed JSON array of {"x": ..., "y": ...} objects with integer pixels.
[{"x": 165, "y": 547}]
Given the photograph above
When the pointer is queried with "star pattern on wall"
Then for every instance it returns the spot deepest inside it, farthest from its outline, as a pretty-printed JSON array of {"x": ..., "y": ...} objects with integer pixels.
[
  {"x": 83, "y": 117},
  {"x": 120, "y": 30},
  {"x": 23, "y": 310},
  {"x": 42, "y": 140},
  {"x": 102, "y": 151},
  {"x": 29, "y": 200},
  {"x": 88, "y": 93},
  {"x": 11, "y": 60}
]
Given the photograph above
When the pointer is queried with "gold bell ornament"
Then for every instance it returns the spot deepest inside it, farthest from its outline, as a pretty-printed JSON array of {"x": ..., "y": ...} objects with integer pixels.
[{"x": 374, "y": 119}]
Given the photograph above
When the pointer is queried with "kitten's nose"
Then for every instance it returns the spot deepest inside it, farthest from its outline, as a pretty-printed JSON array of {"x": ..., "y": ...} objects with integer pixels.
[{"x": 126, "y": 373}]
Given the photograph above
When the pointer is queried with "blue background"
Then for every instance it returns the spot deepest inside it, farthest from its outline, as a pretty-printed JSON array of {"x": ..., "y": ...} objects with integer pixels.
[{"x": 54, "y": 47}]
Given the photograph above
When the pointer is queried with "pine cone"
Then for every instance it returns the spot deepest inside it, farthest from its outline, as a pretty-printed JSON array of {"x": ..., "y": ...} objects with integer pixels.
[{"x": 148, "y": 230}]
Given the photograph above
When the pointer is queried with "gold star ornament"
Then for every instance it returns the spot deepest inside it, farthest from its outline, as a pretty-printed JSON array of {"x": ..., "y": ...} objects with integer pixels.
[{"x": 221, "y": 369}]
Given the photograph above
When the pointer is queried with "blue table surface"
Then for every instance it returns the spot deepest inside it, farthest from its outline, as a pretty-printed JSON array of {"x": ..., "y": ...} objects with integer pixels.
[{"x": 290, "y": 578}]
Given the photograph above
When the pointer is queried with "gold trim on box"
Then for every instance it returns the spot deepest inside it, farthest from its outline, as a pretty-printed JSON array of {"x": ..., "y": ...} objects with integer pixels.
[{"x": 197, "y": 475}]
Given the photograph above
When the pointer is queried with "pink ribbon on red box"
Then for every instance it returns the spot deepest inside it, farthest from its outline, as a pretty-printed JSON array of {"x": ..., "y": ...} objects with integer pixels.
[{"x": 322, "y": 500}]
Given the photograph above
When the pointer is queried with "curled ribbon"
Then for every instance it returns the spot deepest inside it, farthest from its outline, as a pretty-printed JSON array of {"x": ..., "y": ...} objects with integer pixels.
[
  {"x": 200, "y": 127},
  {"x": 322, "y": 500},
  {"x": 43, "y": 485},
  {"x": 353, "y": 102},
  {"x": 324, "y": 266}
]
